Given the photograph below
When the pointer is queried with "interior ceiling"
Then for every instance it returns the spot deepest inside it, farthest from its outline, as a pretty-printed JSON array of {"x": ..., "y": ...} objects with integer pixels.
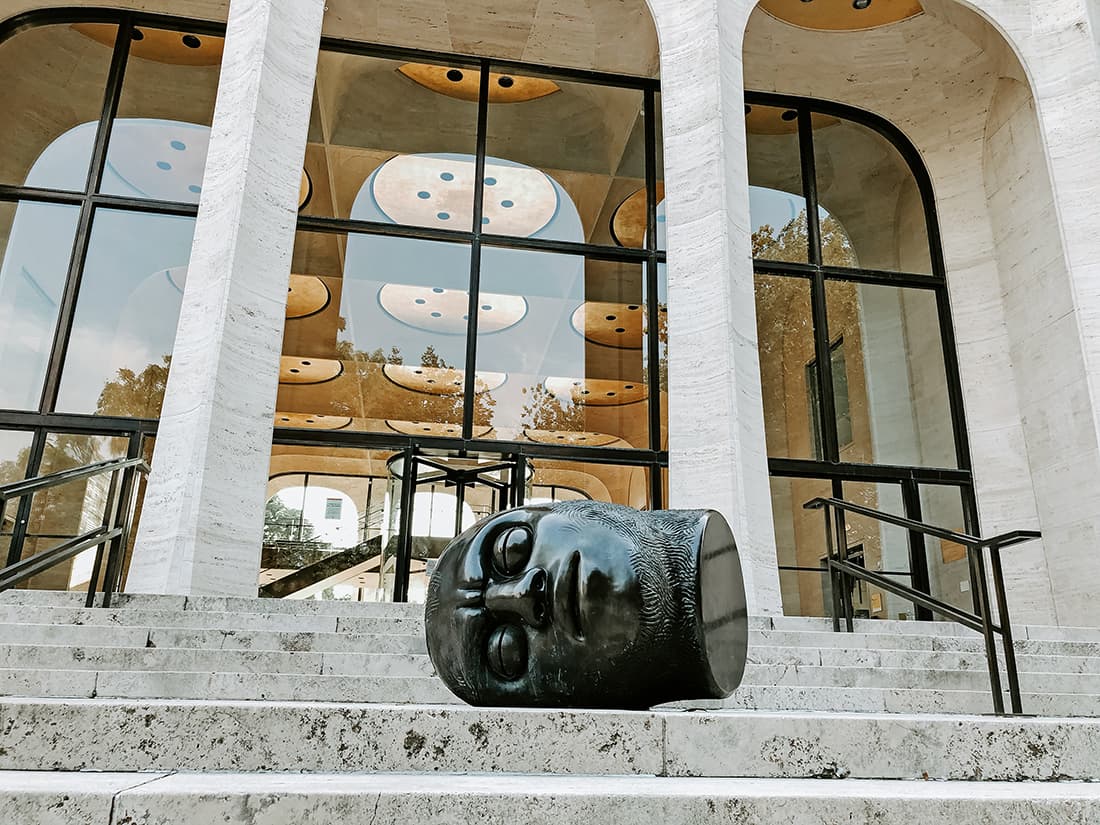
[
  {"x": 841, "y": 15},
  {"x": 602, "y": 35}
]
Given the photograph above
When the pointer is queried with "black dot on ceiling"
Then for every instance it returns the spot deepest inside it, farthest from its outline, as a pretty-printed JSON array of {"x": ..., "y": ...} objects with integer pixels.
[
  {"x": 191, "y": 42},
  {"x": 506, "y": 82},
  {"x": 748, "y": 108},
  {"x": 454, "y": 75},
  {"x": 137, "y": 34},
  {"x": 790, "y": 114}
]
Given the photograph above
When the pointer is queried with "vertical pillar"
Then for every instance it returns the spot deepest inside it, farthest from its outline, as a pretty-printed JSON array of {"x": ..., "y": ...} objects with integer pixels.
[
  {"x": 202, "y": 521},
  {"x": 717, "y": 453}
]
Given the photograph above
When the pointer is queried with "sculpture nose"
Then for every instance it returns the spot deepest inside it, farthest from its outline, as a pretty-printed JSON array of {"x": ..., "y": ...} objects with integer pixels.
[{"x": 524, "y": 597}]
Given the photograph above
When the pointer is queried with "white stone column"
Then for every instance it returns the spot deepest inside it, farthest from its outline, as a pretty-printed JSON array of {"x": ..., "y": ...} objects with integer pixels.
[
  {"x": 717, "y": 452},
  {"x": 202, "y": 522}
]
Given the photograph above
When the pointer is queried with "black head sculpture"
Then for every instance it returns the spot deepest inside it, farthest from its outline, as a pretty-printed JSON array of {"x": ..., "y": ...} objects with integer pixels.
[{"x": 585, "y": 604}]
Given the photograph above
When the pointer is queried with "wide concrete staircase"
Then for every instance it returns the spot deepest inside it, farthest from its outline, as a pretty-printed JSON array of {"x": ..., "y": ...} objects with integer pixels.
[{"x": 196, "y": 710}]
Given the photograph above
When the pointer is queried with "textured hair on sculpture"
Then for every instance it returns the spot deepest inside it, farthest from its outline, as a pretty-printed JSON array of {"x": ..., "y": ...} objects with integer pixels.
[{"x": 586, "y": 604}]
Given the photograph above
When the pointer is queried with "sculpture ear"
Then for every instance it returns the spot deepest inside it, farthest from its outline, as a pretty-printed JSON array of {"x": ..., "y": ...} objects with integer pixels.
[{"x": 724, "y": 610}]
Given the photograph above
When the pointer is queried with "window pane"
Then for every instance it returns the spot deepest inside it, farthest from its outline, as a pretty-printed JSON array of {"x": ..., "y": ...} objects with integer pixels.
[
  {"x": 160, "y": 135},
  {"x": 376, "y": 335},
  {"x": 70, "y": 509},
  {"x": 566, "y": 161},
  {"x": 948, "y": 568},
  {"x": 896, "y": 378},
  {"x": 880, "y": 547},
  {"x": 786, "y": 340},
  {"x": 393, "y": 142},
  {"x": 776, "y": 201},
  {"x": 575, "y": 480},
  {"x": 126, "y": 314},
  {"x": 662, "y": 347},
  {"x": 36, "y": 240},
  {"x": 15, "y": 447},
  {"x": 569, "y": 369},
  {"x": 800, "y": 542},
  {"x": 52, "y": 96},
  {"x": 870, "y": 193}
]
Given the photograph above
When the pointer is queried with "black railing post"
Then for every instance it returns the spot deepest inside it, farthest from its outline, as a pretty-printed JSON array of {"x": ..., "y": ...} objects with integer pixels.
[
  {"x": 127, "y": 500},
  {"x": 1006, "y": 629},
  {"x": 846, "y": 580},
  {"x": 108, "y": 522},
  {"x": 835, "y": 582},
  {"x": 974, "y": 554}
]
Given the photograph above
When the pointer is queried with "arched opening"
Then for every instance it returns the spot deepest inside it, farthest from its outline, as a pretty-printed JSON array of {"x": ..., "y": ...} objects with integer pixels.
[{"x": 937, "y": 91}]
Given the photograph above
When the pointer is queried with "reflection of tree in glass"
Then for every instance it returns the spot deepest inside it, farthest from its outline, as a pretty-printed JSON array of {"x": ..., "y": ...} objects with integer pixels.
[
  {"x": 409, "y": 405},
  {"x": 135, "y": 394},
  {"x": 545, "y": 411},
  {"x": 284, "y": 523},
  {"x": 790, "y": 243}
]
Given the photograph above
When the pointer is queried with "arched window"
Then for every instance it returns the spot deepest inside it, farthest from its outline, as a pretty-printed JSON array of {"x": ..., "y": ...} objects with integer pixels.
[
  {"x": 103, "y": 151},
  {"x": 859, "y": 377}
]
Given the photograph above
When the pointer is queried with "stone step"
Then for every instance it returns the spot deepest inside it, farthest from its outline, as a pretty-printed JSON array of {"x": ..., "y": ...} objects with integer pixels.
[
  {"x": 258, "y": 687},
  {"x": 114, "y": 735},
  {"x": 892, "y": 700},
  {"x": 426, "y": 799},
  {"x": 63, "y": 657},
  {"x": 919, "y": 659},
  {"x": 217, "y": 604},
  {"x": 264, "y": 687},
  {"x": 277, "y": 622}
]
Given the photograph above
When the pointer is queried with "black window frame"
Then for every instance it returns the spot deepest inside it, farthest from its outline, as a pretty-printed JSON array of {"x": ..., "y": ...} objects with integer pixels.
[
  {"x": 830, "y": 467},
  {"x": 44, "y": 420}
]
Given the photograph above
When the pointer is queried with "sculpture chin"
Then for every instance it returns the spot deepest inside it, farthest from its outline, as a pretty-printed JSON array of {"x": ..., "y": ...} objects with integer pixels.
[{"x": 585, "y": 604}]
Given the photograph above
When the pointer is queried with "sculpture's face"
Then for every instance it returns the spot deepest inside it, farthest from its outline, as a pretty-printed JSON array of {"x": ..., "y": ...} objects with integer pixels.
[{"x": 552, "y": 605}]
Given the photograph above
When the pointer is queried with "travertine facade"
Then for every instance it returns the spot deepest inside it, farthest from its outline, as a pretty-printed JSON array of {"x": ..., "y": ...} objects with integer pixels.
[{"x": 1000, "y": 98}]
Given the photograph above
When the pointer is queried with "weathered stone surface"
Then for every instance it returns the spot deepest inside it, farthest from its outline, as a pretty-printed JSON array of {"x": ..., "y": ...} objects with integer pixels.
[{"x": 550, "y": 800}]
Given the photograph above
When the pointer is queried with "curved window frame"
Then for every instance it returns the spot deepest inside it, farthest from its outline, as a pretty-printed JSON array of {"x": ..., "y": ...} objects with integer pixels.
[
  {"x": 830, "y": 467},
  {"x": 43, "y": 421}
]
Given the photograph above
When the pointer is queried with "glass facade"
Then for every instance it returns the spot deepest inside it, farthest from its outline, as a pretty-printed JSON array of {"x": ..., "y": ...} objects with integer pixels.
[
  {"x": 105, "y": 148},
  {"x": 860, "y": 385},
  {"x": 476, "y": 276},
  {"x": 476, "y": 279}
]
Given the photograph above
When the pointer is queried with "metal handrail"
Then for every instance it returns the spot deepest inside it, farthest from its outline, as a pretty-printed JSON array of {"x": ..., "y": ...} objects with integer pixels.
[
  {"x": 111, "y": 534},
  {"x": 842, "y": 572}
]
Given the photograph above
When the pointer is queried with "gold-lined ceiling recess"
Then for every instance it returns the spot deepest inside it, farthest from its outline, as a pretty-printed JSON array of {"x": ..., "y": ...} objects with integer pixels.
[
  {"x": 841, "y": 15},
  {"x": 308, "y": 370},
  {"x": 464, "y": 83},
  {"x": 571, "y": 437},
  {"x": 628, "y": 225},
  {"x": 306, "y": 421},
  {"x": 767, "y": 120},
  {"x": 431, "y": 428},
  {"x": 440, "y": 380},
  {"x": 178, "y": 48},
  {"x": 597, "y": 392},
  {"x": 612, "y": 325},
  {"x": 306, "y": 295}
]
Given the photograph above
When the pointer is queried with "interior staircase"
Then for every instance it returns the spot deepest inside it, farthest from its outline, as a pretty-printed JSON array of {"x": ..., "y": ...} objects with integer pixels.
[{"x": 168, "y": 709}]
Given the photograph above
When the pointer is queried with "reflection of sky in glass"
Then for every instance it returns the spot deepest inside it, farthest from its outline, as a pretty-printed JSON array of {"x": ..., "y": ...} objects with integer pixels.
[
  {"x": 129, "y": 301},
  {"x": 32, "y": 277},
  {"x": 131, "y": 288},
  {"x": 148, "y": 158},
  {"x": 552, "y": 285},
  {"x": 773, "y": 207}
]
